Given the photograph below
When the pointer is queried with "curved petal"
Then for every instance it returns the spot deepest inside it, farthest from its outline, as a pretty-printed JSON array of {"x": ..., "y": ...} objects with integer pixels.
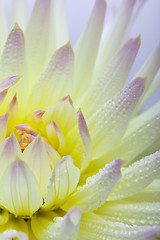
[
  {"x": 55, "y": 82},
  {"x": 13, "y": 234},
  {"x": 131, "y": 212},
  {"x": 142, "y": 132},
  {"x": 137, "y": 176},
  {"x": 93, "y": 225},
  {"x": 97, "y": 188},
  {"x": 63, "y": 181},
  {"x": 112, "y": 77},
  {"x": 19, "y": 191},
  {"x": 63, "y": 228},
  {"x": 37, "y": 159},
  {"x": 9, "y": 150},
  {"x": 107, "y": 125}
]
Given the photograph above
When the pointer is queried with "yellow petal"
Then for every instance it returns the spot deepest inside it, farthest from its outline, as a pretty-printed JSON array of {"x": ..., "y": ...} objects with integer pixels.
[
  {"x": 97, "y": 188},
  {"x": 63, "y": 113},
  {"x": 19, "y": 191},
  {"x": 37, "y": 159},
  {"x": 56, "y": 80},
  {"x": 9, "y": 149},
  {"x": 63, "y": 181}
]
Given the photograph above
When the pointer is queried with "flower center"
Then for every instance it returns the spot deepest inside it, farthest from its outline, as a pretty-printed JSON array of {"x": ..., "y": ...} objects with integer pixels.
[{"x": 25, "y": 135}]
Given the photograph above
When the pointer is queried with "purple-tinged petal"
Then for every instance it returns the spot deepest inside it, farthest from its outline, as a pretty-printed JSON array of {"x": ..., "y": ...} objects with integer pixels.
[
  {"x": 107, "y": 125},
  {"x": 9, "y": 82},
  {"x": 56, "y": 80},
  {"x": 19, "y": 190},
  {"x": 112, "y": 77},
  {"x": 97, "y": 188},
  {"x": 12, "y": 60},
  {"x": 63, "y": 228},
  {"x": 137, "y": 176}
]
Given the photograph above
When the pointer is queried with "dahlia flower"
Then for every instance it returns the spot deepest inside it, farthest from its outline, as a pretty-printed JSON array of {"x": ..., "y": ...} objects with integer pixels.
[{"x": 78, "y": 160}]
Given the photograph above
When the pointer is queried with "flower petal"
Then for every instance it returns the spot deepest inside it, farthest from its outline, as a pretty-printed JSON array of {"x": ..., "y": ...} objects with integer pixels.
[
  {"x": 3, "y": 126},
  {"x": 13, "y": 234},
  {"x": 36, "y": 157},
  {"x": 9, "y": 82},
  {"x": 63, "y": 113},
  {"x": 94, "y": 193},
  {"x": 86, "y": 49},
  {"x": 36, "y": 36},
  {"x": 113, "y": 118},
  {"x": 115, "y": 36},
  {"x": 149, "y": 69},
  {"x": 55, "y": 81},
  {"x": 58, "y": 33},
  {"x": 19, "y": 191},
  {"x": 63, "y": 181},
  {"x": 93, "y": 225},
  {"x": 137, "y": 176},
  {"x": 4, "y": 216},
  {"x": 63, "y": 228},
  {"x": 9, "y": 149},
  {"x": 131, "y": 212},
  {"x": 112, "y": 78},
  {"x": 142, "y": 132},
  {"x": 12, "y": 60},
  {"x": 79, "y": 143}
]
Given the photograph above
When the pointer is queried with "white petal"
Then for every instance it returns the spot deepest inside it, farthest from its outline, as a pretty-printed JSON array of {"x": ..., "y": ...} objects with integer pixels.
[{"x": 97, "y": 188}]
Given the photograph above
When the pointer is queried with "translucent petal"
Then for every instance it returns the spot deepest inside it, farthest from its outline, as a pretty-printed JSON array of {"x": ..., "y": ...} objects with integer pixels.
[
  {"x": 112, "y": 78},
  {"x": 3, "y": 126},
  {"x": 63, "y": 113},
  {"x": 142, "y": 132},
  {"x": 141, "y": 212},
  {"x": 9, "y": 82},
  {"x": 63, "y": 228},
  {"x": 94, "y": 193},
  {"x": 13, "y": 234},
  {"x": 112, "y": 118},
  {"x": 19, "y": 191},
  {"x": 63, "y": 181},
  {"x": 9, "y": 150},
  {"x": 12, "y": 60},
  {"x": 94, "y": 227},
  {"x": 37, "y": 159},
  {"x": 137, "y": 176},
  {"x": 87, "y": 47},
  {"x": 37, "y": 36},
  {"x": 116, "y": 34},
  {"x": 55, "y": 81},
  {"x": 79, "y": 143}
]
